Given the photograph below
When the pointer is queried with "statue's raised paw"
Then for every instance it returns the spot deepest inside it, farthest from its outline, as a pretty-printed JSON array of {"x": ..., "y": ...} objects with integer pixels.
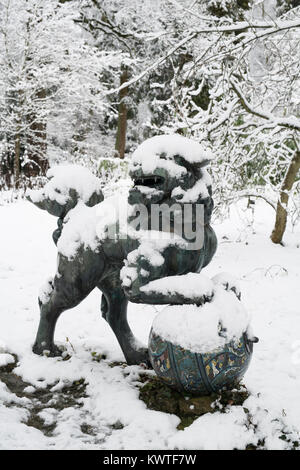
[
  {"x": 191, "y": 288},
  {"x": 142, "y": 265}
]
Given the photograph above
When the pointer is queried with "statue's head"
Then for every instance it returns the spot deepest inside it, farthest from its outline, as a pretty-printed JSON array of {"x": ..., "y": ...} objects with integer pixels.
[{"x": 170, "y": 169}]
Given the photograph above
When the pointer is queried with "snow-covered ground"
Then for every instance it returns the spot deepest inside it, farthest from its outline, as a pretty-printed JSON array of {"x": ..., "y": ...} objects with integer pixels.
[{"x": 269, "y": 278}]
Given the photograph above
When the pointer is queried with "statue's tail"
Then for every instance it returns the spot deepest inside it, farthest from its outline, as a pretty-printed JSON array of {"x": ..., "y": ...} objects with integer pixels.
[{"x": 67, "y": 185}]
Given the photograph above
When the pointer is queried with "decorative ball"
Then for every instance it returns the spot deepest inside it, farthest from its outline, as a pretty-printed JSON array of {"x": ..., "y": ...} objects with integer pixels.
[{"x": 200, "y": 373}]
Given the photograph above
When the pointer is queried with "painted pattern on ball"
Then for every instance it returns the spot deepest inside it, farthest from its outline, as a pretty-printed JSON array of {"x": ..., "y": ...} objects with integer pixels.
[{"x": 201, "y": 374}]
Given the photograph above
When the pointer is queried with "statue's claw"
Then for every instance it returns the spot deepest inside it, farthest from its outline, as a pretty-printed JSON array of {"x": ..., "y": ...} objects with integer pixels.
[
  {"x": 139, "y": 357},
  {"x": 146, "y": 365}
]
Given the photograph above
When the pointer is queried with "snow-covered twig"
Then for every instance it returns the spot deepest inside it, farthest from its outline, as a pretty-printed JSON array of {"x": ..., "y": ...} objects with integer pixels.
[
  {"x": 237, "y": 28},
  {"x": 291, "y": 122}
]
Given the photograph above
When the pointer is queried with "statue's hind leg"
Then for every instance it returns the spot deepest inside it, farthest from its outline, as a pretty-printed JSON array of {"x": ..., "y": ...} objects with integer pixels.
[
  {"x": 114, "y": 310},
  {"x": 73, "y": 282}
]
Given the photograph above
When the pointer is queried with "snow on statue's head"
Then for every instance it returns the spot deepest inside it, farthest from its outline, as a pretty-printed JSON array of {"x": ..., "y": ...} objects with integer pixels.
[{"x": 170, "y": 169}]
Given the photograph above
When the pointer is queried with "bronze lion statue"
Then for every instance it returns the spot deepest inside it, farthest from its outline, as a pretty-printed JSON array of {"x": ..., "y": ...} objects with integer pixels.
[{"x": 98, "y": 246}]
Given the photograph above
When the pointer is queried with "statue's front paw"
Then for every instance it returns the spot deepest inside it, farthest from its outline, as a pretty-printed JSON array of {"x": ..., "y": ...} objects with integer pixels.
[
  {"x": 46, "y": 350},
  {"x": 139, "y": 357}
]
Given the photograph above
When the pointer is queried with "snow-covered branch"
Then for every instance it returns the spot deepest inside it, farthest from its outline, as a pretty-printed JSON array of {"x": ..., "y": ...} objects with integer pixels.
[
  {"x": 242, "y": 27},
  {"x": 291, "y": 122}
]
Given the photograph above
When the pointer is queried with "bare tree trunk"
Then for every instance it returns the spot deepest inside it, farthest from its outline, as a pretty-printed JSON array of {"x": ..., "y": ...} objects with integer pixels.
[
  {"x": 37, "y": 143},
  {"x": 17, "y": 160},
  {"x": 281, "y": 212},
  {"x": 122, "y": 119}
]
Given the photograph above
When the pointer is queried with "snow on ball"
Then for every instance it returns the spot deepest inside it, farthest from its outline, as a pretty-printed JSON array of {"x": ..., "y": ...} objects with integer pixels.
[{"x": 202, "y": 349}]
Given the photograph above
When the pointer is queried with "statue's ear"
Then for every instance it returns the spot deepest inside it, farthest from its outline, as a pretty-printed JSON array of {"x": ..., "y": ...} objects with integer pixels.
[
  {"x": 95, "y": 198},
  {"x": 190, "y": 166},
  {"x": 204, "y": 163},
  {"x": 182, "y": 162}
]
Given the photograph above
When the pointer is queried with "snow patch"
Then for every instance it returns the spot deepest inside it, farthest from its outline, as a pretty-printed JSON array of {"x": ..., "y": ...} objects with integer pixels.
[
  {"x": 228, "y": 281},
  {"x": 45, "y": 291},
  {"x": 6, "y": 359},
  {"x": 191, "y": 285}
]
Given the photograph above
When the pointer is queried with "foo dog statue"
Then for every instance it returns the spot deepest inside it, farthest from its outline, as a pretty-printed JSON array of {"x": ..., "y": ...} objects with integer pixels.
[{"x": 165, "y": 170}]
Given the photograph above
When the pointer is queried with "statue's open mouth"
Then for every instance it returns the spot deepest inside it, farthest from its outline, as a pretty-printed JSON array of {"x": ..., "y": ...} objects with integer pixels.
[{"x": 152, "y": 181}]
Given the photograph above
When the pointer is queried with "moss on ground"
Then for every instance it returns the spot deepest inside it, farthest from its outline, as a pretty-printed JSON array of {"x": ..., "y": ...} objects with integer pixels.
[
  {"x": 40, "y": 399},
  {"x": 160, "y": 397}
]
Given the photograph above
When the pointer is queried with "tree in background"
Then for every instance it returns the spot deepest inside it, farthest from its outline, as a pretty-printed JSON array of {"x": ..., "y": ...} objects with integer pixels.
[
  {"x": 142, "y": 31},
  {"x": 241, "y": 94},
  {"x": 48, "y": 74},
  {"x": 224, "y": 72}
]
